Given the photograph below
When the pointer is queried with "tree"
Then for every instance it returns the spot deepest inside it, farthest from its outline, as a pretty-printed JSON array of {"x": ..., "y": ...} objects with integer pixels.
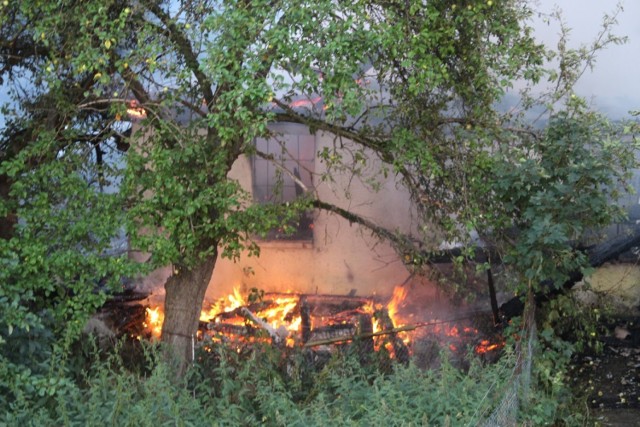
[
  {"x": 414, "y": 84},
  {"x": 57, "y": 224}
]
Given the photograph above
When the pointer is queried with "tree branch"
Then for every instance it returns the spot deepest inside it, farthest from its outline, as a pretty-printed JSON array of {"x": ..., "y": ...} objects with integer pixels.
[
  {"x": 184, "y": 48},
  {"x": 280, "y": 166},
  {"x": 404, "y": 244}
]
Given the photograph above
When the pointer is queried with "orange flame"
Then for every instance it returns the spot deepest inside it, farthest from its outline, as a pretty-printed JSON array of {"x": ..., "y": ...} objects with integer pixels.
[
  {"x": 232, "y": 301},
  {"x": 153, "y": 321},
  {"x": 135, "y": 111},
  {"x": 277, "y": 315},
  {"x": 278, "y": 312},
  {"x": 486, "y": 346},
  {"x": 399, "y": 295},
  {"x": 453, "y": 332}
]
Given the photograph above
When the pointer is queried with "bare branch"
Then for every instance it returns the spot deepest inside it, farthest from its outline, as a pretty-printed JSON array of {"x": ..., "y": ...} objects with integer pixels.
[
  {"x": 183, "y": 46},
  {"x": 281, "y": 166}
]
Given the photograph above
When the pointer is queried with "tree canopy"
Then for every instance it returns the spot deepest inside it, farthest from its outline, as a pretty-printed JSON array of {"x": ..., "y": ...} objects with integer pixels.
[{"x": 415, "y": 84}]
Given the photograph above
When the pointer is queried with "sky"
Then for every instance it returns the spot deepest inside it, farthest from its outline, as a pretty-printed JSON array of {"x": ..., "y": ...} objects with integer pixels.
[{"x": 613, "y": 87}]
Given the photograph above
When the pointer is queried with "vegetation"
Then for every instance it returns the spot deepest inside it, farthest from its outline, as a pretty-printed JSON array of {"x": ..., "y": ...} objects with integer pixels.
[
  {"x": 208, "y": 76},
  {"x": 260, "y": 387}
]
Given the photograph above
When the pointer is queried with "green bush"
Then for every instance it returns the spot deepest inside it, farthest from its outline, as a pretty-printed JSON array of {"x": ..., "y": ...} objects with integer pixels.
[{"x": 262, "y": 385}]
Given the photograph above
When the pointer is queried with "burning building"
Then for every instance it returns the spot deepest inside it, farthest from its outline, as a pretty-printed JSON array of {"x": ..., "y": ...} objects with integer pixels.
[
  {"x": 338, "y": 279},
  {"x": 325, "y": 253}
]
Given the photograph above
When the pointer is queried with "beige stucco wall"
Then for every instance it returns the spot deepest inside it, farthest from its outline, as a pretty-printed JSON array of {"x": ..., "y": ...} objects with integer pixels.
[{"x": 342, "y": 256}]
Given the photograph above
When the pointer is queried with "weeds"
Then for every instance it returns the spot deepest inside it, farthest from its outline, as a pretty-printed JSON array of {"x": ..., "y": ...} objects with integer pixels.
[{"x": 263, "y": 385}]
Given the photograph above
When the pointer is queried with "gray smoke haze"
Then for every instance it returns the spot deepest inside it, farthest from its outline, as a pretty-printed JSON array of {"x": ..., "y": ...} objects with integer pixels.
[{"x": 613, "y": 86}]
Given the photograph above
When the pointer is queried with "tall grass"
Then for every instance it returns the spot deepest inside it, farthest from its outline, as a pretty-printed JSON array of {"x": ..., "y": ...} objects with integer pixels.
[{"x": 265, "y": 386}]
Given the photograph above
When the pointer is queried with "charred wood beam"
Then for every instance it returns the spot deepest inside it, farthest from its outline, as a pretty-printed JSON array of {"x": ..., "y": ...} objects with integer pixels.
[
  {"x": 400, "y": 350},
  {"x": 362, "y": 336},
  {"x": 128, "y": 295},
  {"x": 597, "y": 255},
  {"x": 255, "y": 307},
  {"x": 229, "y": 329},
  {"x": 277, "y": 335},
  {"x": 340, "y": 332},
  {"x": 305, "y": 320},
  {"x": 347, "y": 315},
  {"x": 329, "y": 305},
  {"x": 364, "y": 343},
  {"x": 332, "y": 299}
]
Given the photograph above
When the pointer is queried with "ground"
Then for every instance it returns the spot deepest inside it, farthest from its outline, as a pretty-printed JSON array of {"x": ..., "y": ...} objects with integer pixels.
[{"x": 610, "y": 380}]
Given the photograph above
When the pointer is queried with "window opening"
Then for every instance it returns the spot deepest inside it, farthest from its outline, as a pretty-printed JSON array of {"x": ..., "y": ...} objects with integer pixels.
[{"x": 295, "y": 153}]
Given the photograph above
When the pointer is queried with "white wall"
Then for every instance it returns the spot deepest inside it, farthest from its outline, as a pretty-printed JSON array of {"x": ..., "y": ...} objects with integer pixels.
[{"x": 341, "y": 257}]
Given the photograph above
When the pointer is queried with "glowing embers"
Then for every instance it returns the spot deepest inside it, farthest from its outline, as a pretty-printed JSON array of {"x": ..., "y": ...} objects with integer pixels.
[
  {"x": 287, "y": 318},
  {"x": 135, "y": 111},
  {"x": 487, "y": 346},
  {"x": 323, "y": 322},
  {"x": 153, "y": 321}
]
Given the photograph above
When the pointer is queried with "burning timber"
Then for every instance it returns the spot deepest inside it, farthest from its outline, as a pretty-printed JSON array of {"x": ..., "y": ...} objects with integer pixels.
[
  {"x": 278, "y": 335},
  {"x": 309, "y": 321},
  {"x": 335, "y": 333},
  {"x": 312, "y": 317},
  {"x": 324, "y": 324},
  {"x": 343, "y": 338}
]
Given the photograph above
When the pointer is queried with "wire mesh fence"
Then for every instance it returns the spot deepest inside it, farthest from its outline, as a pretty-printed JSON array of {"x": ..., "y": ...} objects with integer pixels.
[{"x": 516, "y": 392}]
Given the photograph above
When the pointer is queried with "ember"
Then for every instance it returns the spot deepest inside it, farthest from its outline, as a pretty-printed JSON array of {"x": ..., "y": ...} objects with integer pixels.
[
  {"x": 135, "y": 111},
  {"x": 153, "y": 321},
  {"x": 486, "y": 346},
  {"x": 313, "y": 321}
]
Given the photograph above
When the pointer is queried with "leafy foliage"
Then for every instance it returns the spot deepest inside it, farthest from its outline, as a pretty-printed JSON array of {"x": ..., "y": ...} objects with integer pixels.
[
  {"x": 547, "y": 193},
  {"x": 256, "y": 388},
  {"x": 410, "y": 84},
  {"x": 203, "y": 75}
]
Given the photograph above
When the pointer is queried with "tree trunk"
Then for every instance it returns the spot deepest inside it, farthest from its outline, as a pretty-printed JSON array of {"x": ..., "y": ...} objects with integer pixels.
[{"x": 185, "y": 292}]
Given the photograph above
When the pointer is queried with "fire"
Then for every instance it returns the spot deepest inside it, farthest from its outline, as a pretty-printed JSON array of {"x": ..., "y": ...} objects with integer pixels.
[
  {"x": 135, "y": 111},
  {"x": 153, "y": 321},
  {"x": 312, "y": 320},
  {"x": 486, "y": 346},
  {"x": 280, "y": 313},
  {"x": 233, "y": 301},
  {"x": 277, "y": 316},
  {"x": 398, "y": 301},
  {"x": 274, "y": 313},
  {"x": 399, "y": 296}
]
